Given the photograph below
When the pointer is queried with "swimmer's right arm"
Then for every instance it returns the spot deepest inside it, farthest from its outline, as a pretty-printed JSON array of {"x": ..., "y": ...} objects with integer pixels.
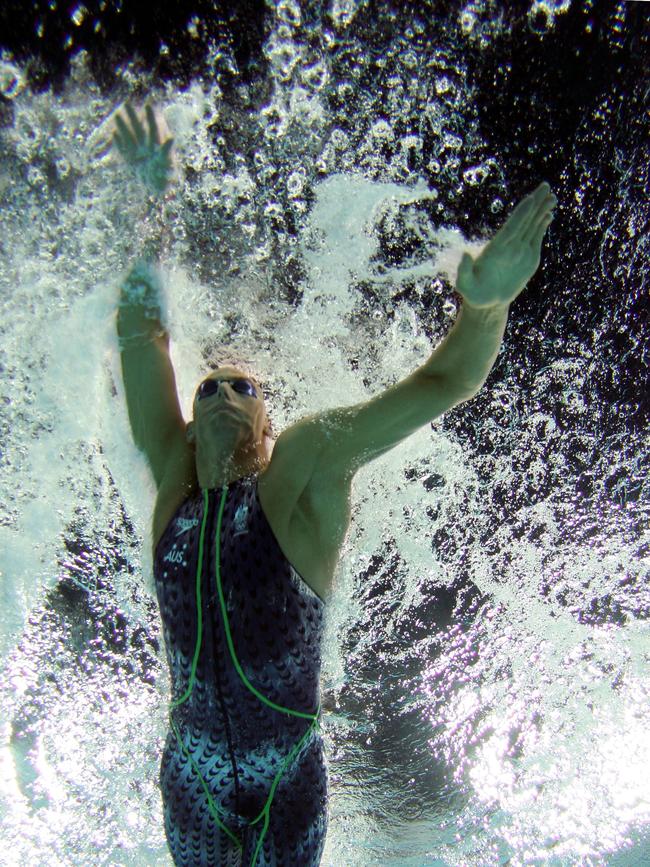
[{"x": 155, "y": 416}]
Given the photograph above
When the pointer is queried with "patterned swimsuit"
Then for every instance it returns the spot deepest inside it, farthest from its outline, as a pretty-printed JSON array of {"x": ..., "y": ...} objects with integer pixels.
[{"x": 243, "y": 781}]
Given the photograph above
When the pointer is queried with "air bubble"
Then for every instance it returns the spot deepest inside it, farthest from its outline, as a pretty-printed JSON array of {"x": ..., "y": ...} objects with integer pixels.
[
  {"x": 382, "y": 131},
  {"x": 295, "y": 184},
  {"x": 35, "y": 177},
  {"x": 193, "y": 27},
  {"x": 452, "y": 141},
  {"x": 315, "y": 76},
  {"x": 449, "y": 307},
  {"x": 289, "y": 12},
  {"x": 284, "y": 57},
  {"x": 475, "y": 176},
  {"x": 343, "y": 12},
  {"x": 77, "y": 15},
  {"x": 11, "y": 80},
  {"x": 467, "y": 23},
  {"x": 409, "y": 59},
  {"x": 62, "y": 167}
]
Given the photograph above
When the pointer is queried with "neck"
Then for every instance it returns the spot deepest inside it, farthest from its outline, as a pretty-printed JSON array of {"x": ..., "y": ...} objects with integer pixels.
[{"x": 217, "y": 470}]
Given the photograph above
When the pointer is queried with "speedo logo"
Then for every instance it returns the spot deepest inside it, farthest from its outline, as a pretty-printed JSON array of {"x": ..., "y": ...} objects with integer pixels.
[{"x": 185, "y": 524}]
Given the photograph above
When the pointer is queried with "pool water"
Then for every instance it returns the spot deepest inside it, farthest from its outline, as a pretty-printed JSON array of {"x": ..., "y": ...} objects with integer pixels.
[{"x": 485, "y": 684}]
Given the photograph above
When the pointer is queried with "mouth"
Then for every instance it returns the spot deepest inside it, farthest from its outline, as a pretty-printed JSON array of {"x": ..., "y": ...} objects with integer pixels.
[
  {"x": 215, "y": 400},
  {"x": 220, "y": 411},
  {"x": 219, "y": 408}
]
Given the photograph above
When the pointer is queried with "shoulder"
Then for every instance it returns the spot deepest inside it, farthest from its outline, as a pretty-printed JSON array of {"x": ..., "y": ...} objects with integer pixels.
[
  {"x": 300, "y": 473},
  {"x": 307, "y": 506},
  {"x": 315, "y": 485},
  {"x": 300, "y": 454},
  {"x": 293, "y": 461}
]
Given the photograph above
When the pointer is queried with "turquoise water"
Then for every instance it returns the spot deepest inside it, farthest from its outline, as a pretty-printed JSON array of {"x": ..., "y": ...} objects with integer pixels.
[{"x": 486, "y": 661}]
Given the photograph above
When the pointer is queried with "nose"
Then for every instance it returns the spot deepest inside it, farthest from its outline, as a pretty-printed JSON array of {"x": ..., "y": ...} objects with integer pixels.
[{"x": 218, "y": 394}]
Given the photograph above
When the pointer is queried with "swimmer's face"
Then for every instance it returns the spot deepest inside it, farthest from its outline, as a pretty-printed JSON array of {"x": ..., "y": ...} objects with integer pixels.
[{"x": 228, "y": 409}]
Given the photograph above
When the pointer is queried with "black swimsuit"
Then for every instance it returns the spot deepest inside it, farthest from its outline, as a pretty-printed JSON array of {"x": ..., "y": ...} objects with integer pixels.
[{"x": 243, "y": 783}]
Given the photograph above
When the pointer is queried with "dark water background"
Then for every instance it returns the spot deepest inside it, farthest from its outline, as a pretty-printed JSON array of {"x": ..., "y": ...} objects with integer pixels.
[{"x": 483, "y": 100}]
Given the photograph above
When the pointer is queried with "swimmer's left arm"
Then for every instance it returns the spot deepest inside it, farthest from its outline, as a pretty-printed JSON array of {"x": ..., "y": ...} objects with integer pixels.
[{"x": 349, "y": 437}]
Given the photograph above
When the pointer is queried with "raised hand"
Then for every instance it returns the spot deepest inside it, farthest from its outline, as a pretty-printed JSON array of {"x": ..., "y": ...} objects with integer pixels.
[
  {"x": 150, "y": 159},
  {"x": 511, "y": 258}
]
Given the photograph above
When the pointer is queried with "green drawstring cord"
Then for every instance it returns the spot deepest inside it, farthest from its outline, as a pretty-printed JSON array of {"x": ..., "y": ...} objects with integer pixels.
[{"x": 214, "y": 810}]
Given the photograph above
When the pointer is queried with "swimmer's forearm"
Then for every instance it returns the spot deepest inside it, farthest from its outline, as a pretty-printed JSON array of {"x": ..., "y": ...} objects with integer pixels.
[{"x": 467, "y": 354}]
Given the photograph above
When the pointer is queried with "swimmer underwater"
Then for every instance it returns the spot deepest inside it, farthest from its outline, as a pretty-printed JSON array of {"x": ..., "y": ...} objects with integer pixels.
[{"x": 247, "y": 536}]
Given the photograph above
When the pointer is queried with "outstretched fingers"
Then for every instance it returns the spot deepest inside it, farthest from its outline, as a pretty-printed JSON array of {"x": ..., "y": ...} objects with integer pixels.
[
  {"x": 117, "y": 142},
  {"x": 122, "y": 137},
  {"x": 524, "y": 221},
  {"x": 138, "y": 129},
  {"x": 536, "y": 233},
  {"x": 516, "y": 222},
  {"x": 154, "y": 137}
]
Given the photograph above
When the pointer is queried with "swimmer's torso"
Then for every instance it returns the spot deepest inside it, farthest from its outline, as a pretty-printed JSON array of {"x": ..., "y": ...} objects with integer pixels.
[
  {"x": 226, "y": 741},
  {"x": 275, "y": 618}
]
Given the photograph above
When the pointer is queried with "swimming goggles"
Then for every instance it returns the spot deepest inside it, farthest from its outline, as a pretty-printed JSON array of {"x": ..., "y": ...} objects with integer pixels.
[{"x": 211, "y": 386}]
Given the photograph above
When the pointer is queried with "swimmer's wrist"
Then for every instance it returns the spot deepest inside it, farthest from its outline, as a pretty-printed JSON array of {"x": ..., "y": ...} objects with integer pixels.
[
  {"x": 142, "y": 288},
  {"x": 136, "y": 339},
  {"x": 139, "y": 315},
  {"x": 485, "y": 313}
]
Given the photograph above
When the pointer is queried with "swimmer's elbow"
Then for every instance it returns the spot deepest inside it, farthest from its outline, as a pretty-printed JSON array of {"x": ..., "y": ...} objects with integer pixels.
[{"x": 356, "y": 435}]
